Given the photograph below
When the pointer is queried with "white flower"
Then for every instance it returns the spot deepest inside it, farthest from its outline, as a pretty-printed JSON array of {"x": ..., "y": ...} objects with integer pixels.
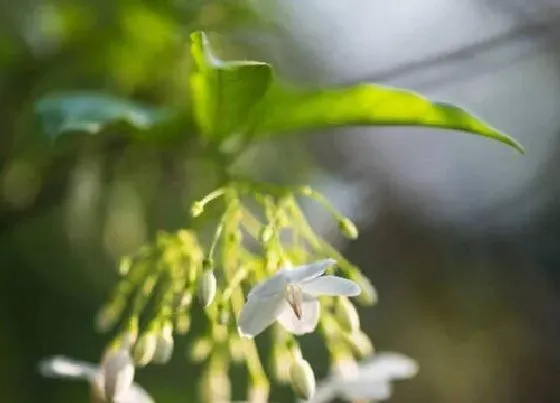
[
  {"x": 370, "y": 380},
  {"x": 112, "y": 381},
  {"x": 290, "y": 296}
]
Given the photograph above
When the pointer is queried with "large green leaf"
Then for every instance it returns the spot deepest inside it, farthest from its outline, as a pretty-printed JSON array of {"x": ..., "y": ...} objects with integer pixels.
[
  {"x": 90, "y": 112},
  {"x": 290, "y": 109},
  {"x": 224, "y": 93}
]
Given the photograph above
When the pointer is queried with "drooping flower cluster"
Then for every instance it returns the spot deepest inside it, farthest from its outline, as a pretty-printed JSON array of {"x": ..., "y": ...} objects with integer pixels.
[{"x": 263, "y": 265}]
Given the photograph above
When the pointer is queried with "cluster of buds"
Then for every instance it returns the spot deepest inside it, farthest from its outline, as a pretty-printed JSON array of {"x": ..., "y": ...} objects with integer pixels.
[{"x": 264, "y": 267}]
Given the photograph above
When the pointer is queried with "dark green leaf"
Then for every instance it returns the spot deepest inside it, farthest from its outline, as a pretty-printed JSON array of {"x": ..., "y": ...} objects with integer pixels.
[
  {"x": 224, "y": 93},
  {"x": 91, "y": 112},
  {"x": 369, "y": 105}
]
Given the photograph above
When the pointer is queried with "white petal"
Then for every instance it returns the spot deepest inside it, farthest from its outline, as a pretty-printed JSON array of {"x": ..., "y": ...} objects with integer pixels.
[
  {"x": 62, "y": 367},
  {"x": 117, "y": 368},
  {"x": 389, "y": 366},
  {"x": 324, "y": 393},
  {"x": 308, "y": 271},
  {"x": 309, "y": 317},
  {"x": 330, "y": 285},
  {"x": 258, "y": 314},
  {"x": 269, "y": 287},
  {"x": 135, "y": 394},
  {"x": 364, "y": 389}
]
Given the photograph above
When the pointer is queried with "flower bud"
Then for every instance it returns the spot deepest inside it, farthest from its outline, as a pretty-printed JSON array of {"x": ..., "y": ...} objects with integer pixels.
[
  {"x": 266, "y": 234},
  {"x": 368, "y": 296},
  {"x": 164, "y": 344},
  {"x": 207, "y": 288},
  {"x": 258, "y": 393},
  {"x": 348, "y": 228},
  {"x": 183, "y": 323},
  {"x": 361, "y": 344},
  {"x": 347, "y": 315},
  {"x": 116, "y": 374},
  {"x": 200, "y": 349},
  {"x": 236, "y": 349},
  {"x": 302, "y": 378},
  {"x": 125, "y": 265},
  {"x": 197, "y": 209},
  {"x": 145, "y": 348}
]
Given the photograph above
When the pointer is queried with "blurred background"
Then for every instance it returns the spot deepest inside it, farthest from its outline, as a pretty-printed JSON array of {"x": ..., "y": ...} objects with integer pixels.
[{"x": 459, "y": 235}]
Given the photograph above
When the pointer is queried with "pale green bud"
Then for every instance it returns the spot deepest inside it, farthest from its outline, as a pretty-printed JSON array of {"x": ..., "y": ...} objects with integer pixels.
[
  {"x": 200, "y": 349},
  {"x": 125, "y": 265},
  {"x": 282, "y": 363},
  {"x": 368, "y": 296},
  {"x": 145, "y": 348},
  {"x": 361, "y": 344},
  {"x": 347, "y": 315},
  {"x": 207, "y": 288},
  {"x": 183, "y": 323},
  {"x": 108, "y": 316},
  {"x": 197, "y": 209},
  {"x": 348, "y": 228},
  {"x": 258, "y": 393},
  {"x": 236, "y": 349},
  {"x": 302, "y": 378},
  {"x": 266, "y": 234},
  {"x": 164, "y": 344}
]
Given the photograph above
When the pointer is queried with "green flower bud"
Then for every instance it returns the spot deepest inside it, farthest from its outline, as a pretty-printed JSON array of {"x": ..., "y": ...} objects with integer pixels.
[
  {"x": 125, "y": 265},
  {"x": 236, "y": 349},
  {"x": 347, "y": 315},
  {"x": 197, "y": 209},
  {"x": 200, "y": 349},
  {"x": 183, "y": 323},
  {"x": 302, "y": 378},
  {"x": 348, "y": 228},
  {"x": 361, "y": 344},
  {"x": 145, "y": 348},
  {"x": 258, "y": 393},
  {"x": 266, "y": 234},
  {"x": 368, "y": 296},
  {"x": 282, "y": 363},
  {"x": 207, "y": 288},
  {"x": 164, "y": 344},
  {"x": 109, "y": 315}
]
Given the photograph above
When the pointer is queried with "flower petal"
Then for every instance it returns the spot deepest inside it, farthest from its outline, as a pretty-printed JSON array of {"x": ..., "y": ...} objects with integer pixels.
[
  {"x": 308, "y": 271},
  {"x": 258, "y": 314},
  {"x": 135, "y": 394},
  {"x": 330, "y": 285},
  {"x": 62, "y": 367},
  {"x": 117, "y": 369},
  {"x": 309, "y": 317},
  {"x": 269, "y": 287},
  {"x": 364, "y": 389},
  {"x": 389, "y": 366}
]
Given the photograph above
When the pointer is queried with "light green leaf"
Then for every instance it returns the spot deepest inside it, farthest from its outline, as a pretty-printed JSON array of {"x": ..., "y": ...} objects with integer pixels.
[
  {"x": 224, "y": 93},
  {"x": 289, "y": 110},
  {"x": 90, "y": 112}
]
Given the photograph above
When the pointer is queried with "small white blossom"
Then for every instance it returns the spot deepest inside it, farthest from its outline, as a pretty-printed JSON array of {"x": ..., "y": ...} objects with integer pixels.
[
  {"x": 290, "y": 296},
  {"x": 111, "y": 381},
  {"x": 367, "y": 381}
]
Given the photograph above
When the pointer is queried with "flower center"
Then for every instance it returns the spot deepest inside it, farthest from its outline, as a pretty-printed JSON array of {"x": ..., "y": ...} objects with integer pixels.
[{"x": 295, "y": 299}]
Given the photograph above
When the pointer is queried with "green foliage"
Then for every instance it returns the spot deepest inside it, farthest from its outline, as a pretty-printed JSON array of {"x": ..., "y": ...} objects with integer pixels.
[
  {"x": 291, "y": 109},
  {"x": 224, "y": 93},
  {"x": 242, "y": 98},
  {"x": 90, "y": 112}
]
